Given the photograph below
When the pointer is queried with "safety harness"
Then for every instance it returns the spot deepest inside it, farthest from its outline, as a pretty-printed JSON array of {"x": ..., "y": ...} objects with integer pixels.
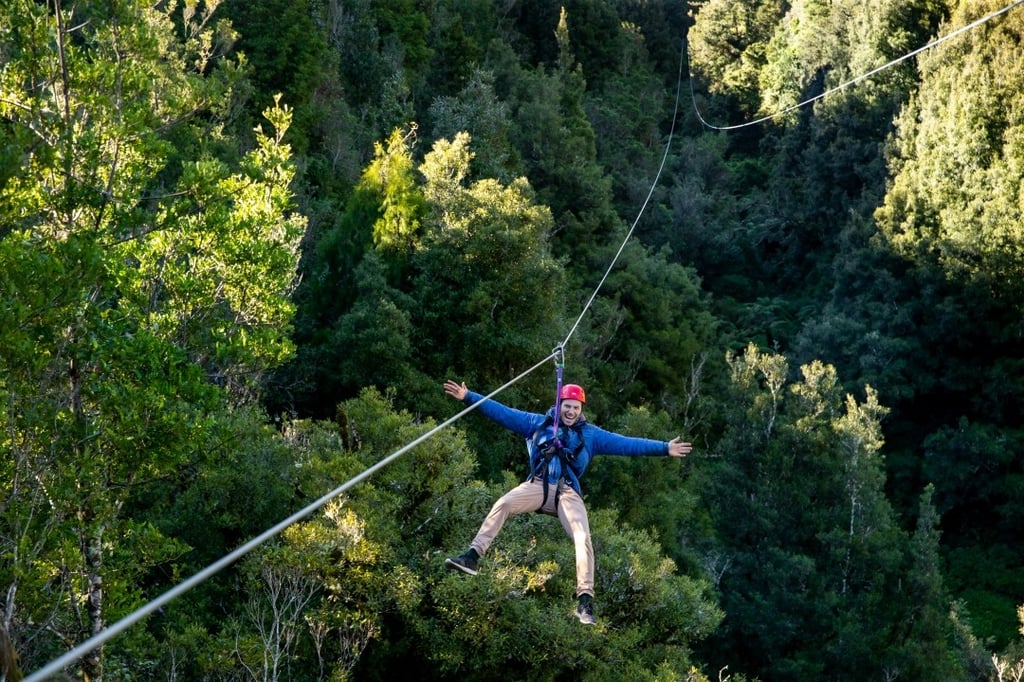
[{"x": 551, "y": 448}]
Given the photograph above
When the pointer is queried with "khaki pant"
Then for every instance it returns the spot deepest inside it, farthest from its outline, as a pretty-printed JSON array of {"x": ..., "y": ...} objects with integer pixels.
[{"x": 527, "y": 497}]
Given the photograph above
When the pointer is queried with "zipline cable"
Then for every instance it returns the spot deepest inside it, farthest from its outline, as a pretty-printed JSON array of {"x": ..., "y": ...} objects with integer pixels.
[
  {"x": 872, "y": 72},
  {"x": 108, "y": 633},
  {"x": 120, "y": 626}
]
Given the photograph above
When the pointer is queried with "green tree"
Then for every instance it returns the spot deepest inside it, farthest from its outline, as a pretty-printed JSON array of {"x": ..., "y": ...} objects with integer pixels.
[
  {"x": 655, "y": 494},
  {"x": 806, "y": 549},
  {"x": 478, "y": 111},
  {"x": 651, "y": 327},
  {"x": 331, "y": 585},
  {"x": 955, "y": 196},
  {"x": 926, "y": 654},
  {"x": 488, "y": 292},
  {"x": 626, "y": 110},
  {"x": 493, "y": 241},
  {"x": 799, "y": 178},
  {"x": 350, "y": 304},
  {"x": 460, "y": 265},
  {"x": 952, "y": 212},
  {"x": 563, "y": 166},
  {"x": 144, "y": 291},
  {"x": 293, "y": 60},
  {"x": 728, "y": 46},
  {"x": 597, "y": 36}
]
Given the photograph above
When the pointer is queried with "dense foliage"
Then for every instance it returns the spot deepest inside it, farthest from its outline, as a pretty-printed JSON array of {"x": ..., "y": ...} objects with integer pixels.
[{"x": 242, "y": 244}]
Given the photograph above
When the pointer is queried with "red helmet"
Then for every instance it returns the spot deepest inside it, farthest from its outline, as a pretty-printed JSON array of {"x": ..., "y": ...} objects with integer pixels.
[{"x": 573, "y": 392}]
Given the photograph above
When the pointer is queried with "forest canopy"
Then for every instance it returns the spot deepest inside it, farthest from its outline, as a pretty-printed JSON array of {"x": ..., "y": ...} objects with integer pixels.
[{"x": 243, "y": 244}]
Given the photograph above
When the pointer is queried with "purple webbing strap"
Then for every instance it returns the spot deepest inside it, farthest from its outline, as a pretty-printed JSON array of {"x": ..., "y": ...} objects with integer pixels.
[{"x": 558, "y": 397}]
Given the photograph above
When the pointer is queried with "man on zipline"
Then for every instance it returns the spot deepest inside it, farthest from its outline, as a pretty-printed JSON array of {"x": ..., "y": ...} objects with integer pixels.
[{"x": 558, "y": 458}]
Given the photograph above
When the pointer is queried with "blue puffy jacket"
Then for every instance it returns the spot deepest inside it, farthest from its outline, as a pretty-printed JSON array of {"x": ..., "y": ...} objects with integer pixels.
[{"x": 584, "y": 439}]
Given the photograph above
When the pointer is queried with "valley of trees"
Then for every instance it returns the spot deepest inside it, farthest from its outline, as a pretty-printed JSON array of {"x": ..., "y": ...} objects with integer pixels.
[{"x": 242, "y": 245}]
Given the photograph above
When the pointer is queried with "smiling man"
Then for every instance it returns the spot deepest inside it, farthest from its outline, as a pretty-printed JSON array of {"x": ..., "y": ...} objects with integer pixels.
[{"x": 559, "y": 455}]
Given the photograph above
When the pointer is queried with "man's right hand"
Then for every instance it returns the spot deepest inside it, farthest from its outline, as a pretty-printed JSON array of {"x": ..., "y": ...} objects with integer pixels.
[{"x": 456, "y": 390}]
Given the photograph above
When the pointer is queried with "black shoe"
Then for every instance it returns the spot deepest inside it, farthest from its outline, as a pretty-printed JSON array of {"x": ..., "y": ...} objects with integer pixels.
[
  {"x": 464, "y": 562},
  {"x": 585, "y": 610}
]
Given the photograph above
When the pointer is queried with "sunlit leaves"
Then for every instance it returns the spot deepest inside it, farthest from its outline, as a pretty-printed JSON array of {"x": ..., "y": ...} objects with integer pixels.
[
  {"x": 728, "y": 44},
  {"x": 140, "y": 278},
  {"x": 391, "y": 175},
  {"x": 955, "y": 198},
  {"x": 487, "y": 281}
]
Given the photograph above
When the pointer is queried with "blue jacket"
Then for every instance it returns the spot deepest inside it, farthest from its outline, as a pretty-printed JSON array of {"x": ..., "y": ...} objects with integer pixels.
[{"x": 586, "y": 440}]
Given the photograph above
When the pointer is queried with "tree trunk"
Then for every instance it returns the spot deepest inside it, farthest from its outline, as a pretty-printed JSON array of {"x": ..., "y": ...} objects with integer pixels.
[
  {"x": 92, "y": 662},
  {"x": 91, "y": 540}
]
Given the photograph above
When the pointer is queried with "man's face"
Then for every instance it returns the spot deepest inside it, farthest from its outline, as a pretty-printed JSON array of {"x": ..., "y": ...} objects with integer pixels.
[{"x": 571, "y": 411}]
